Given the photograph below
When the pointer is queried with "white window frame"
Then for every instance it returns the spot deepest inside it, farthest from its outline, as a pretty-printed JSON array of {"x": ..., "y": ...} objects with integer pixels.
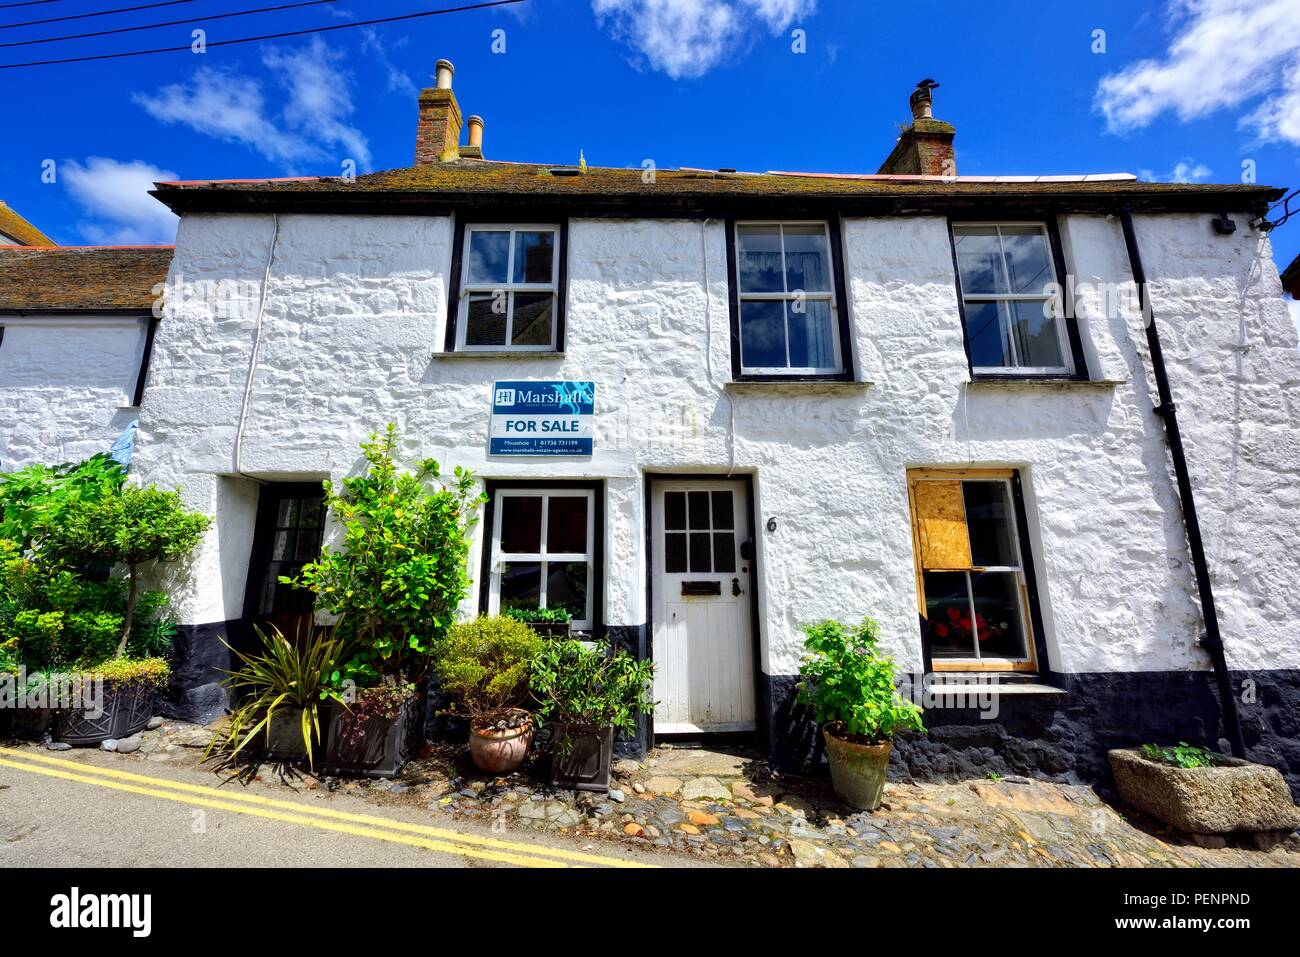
[
  {"x": 788, "y": 295},
  {"x": 510, "y": 288},
  {"x": 1062, "y": 338},
  {"x": 499, "y": 558},
  {"x": 954, "y": 662}
]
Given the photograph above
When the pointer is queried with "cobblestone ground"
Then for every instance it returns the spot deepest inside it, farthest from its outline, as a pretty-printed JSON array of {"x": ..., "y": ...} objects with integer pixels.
[{"x": 731, "y": 809}]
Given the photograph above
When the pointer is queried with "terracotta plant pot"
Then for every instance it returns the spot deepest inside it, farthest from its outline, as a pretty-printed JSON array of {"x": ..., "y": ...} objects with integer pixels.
[
  {"x": 857, "y": 770},
  {"x": 500, "y": 751}
]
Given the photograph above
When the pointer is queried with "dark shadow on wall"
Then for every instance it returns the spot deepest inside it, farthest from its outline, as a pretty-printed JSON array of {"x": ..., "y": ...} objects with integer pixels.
[{"x": 1065, "y": 737}]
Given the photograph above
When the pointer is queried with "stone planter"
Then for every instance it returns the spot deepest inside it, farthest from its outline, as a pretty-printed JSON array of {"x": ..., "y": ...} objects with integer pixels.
[
  {"x": 500, "y": 751},
  {"x": 379, "y": 748},
  {"x": 1233, "y": 796},
  {"x": 126, "y": 711},
  {"x": 284, "y": 736},
  {"x": 858, "y": 771},
  {"x": 581, "y": 756}
]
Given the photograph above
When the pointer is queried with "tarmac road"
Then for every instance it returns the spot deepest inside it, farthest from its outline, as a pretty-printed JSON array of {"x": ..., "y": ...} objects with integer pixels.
[{"x": 86, "y": 809}]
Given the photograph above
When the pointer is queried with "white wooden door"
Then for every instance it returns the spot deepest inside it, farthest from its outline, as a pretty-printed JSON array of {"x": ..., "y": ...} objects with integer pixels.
[{"x": 703, "y": 643}]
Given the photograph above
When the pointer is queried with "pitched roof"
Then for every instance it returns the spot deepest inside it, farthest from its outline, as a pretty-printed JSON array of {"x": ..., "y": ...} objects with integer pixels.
[
  {"x": 19, "y": 229},
  {"x": 81, "y": 278},
  {"x": 483, "y": 184},
  {"x": 1291, "y": 278}
]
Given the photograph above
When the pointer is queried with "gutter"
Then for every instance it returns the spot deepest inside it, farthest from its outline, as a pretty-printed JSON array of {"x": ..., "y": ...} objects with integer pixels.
[{"x": 1168, "y": 412}]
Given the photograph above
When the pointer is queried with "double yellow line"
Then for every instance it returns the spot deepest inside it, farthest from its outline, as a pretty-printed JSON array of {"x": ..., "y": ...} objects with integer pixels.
[{"x": 517, "y": 853}]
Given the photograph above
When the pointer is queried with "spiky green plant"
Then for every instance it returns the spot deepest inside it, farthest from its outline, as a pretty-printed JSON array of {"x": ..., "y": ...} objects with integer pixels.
[{"x": 284, "y": 677}]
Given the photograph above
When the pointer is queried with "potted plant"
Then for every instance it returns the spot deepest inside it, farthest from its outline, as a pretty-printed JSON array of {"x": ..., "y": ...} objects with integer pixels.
[
  {"x": 482, "y": 665},
  {"x": 851, "y": 688},
  {"x": 588, "y": 694},
  {"x": 394, "y": 586},
  {"x": 1201, "y": 792},
  {"x": 556, "y": 622},
  {"x": 118, "y": 695},
  {"x": 283, "y": 692},
  {"x": 93, "y": 643}
]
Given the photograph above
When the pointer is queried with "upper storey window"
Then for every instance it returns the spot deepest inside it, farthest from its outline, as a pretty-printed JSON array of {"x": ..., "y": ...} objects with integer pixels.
[
  {"x": 788, "y": 317},
  {"x": 509, "y": 288},
  {"x": 1010, "y": 300}
]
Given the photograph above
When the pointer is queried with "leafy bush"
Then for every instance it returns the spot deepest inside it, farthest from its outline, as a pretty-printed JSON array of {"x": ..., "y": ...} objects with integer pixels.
[
  {"x": 284, "y": 678},
  {"x": 483, "y": 665},
  {"x": 575, "y": 684},
  {"x": 400, "y": 574},
  {"x": 850, "y": 685},
  {"x": 1183, "y": 755},
  {"x": 9, "y": 657},
  {"x": 135, "y": 527},
  {"x": 58, "y": 618},
  {"x": 146, "y": 672},
  {"x": 558, "y": 615},
  {"x": 36, "y": 496}
]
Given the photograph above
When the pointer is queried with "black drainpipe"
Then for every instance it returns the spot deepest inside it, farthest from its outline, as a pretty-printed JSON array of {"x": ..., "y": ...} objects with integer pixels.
[{"x": 1213, "y": 640}]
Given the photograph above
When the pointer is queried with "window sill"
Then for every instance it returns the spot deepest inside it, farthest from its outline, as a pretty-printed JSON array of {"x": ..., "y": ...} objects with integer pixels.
[
  {"x": 1044, "y": 382},
  {"x": 813, "y": 386},
  {"x": 990, "y": 684},
  {"x": 501, "y": 354}
]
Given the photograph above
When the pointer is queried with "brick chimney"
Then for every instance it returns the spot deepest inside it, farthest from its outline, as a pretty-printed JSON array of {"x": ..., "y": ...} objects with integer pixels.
[
  {"x": 437, "y": 135},
  {"x": 925, "y": 147}
]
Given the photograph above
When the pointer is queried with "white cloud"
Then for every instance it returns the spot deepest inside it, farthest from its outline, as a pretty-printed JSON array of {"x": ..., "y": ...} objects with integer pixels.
[
  {"x": 398, "y": 80},
  {"x": 1186, "y": 170},
  {"x": 313, "y": 92},
  {"x": 1221, "y": 54},
  {"x": 116, "y": 197},
  {"x": 687, "y": 38}
]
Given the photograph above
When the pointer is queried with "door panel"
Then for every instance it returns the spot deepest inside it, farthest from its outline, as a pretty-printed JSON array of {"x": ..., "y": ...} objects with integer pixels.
[{"x": 703, "y": 642}]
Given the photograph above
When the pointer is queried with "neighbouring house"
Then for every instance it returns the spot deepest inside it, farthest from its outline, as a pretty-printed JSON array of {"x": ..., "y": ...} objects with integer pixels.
[
  {"x": 711, "y": 406},
  {"x": 76, "y": 331},
  {"x": 16, "y": 231},
  {"x": 1291, "y": 278}
]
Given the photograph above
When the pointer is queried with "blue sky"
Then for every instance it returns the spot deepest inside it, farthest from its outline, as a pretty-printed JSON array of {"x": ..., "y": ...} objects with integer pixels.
[{"x": 1174, "y": 89}]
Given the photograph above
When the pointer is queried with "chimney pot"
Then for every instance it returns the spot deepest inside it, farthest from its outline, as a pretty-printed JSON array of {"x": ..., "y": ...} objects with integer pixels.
[
  {"x": 475, "y": 131},
  {"x": 444, "y": 71},
  {"x": 925, "y": 146}
]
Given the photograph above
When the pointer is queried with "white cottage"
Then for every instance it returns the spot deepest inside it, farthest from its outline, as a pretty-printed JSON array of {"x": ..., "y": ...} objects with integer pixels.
[
  {"x": 76, "y": 332},
  {"x": 709, "y": 407}
]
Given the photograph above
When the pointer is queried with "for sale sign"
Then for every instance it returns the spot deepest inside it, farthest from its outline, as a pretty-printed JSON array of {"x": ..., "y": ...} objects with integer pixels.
[{"x": 542, "y": 418}]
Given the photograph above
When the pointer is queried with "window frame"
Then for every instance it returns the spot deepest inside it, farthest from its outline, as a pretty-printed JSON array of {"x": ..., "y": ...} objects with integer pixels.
[
  {"x": 459, "y": 289},
  {"x": 492, "y": 559},
  {"x": 837, "y": 297},
  {"x": 1076, "y": 368},
  {"x": 1035, "y": 660}
]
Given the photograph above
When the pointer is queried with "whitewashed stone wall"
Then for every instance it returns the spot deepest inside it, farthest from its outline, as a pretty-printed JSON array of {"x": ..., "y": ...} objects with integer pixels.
[
  {"x": 66, "y": 384},
  {"x": 355, "y": 312}
]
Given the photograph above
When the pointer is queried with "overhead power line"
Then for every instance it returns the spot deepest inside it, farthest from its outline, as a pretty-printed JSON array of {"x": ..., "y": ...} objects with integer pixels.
[
  {"x": 268, "y": 36},
  {"x": 168, "y": 23},
  {"x": 99, "y": 13},
  {"x": 26, "y": 3}
]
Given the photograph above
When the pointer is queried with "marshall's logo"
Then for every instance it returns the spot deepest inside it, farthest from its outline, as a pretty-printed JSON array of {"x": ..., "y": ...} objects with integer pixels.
[{"x": 75, "y": 910}]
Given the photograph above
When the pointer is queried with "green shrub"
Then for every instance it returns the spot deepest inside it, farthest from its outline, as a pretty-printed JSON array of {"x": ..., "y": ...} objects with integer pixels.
[
  {"x": 1183, "y": 755},
  {"x": 483, "y": 665},
  {"x": 134, "y": 527},
  {"x": 558, "y": 614},
  {"x": 9, "y": 657},
  {"x": 575, "y": 684},
  {"x": 147, "y": 672},
  {"x": 850, "y": 685},
  {"x": 60, "y": 619},
  {"x": 36, "y": 496},
  {"x": 400, "y": 574}
]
